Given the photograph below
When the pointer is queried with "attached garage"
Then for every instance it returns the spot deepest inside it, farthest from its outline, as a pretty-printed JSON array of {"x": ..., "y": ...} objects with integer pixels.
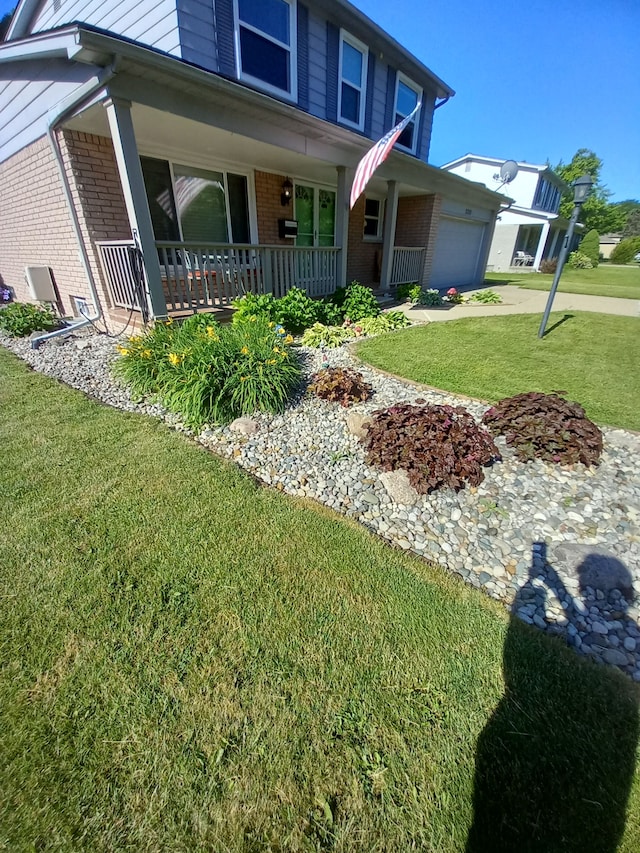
[{"x": 458, "y": 253}]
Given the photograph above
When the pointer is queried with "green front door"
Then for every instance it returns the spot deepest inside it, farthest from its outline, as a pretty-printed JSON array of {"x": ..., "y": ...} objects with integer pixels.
[{"x": 315, "y": 211}]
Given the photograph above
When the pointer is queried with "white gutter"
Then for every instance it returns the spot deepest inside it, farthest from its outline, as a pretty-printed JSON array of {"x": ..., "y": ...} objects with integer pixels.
[{"x": 56, "y": 116}]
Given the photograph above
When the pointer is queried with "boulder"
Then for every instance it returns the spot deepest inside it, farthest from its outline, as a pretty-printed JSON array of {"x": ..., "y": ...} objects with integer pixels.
[
  {"x": 357, "y": 424},
  {"x": 399, "y": 488},
  {"x": 245, "y": 426}
]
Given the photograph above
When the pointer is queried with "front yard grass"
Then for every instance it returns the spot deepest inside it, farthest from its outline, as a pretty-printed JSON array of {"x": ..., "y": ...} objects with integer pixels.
[
  {"x": 593, "y": 357},
  {"x": 190, "y": 661},
  {"x": 621, "y": 282}
]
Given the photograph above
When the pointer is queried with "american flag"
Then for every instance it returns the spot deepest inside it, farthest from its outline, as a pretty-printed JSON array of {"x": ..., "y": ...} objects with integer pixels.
[{"x": 376, "y": 155}]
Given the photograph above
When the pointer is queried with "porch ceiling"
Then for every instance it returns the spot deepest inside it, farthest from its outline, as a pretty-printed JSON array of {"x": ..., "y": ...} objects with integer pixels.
[{"x": 166, "y": 135}]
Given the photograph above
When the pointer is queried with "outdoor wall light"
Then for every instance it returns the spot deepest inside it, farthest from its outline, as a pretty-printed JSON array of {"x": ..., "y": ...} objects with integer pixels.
[
  {"x": 581, "y": 189},
  {"x": 287, "y": 189}
]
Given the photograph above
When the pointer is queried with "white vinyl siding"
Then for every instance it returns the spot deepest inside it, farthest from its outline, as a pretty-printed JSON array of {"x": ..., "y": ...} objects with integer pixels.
[
  {"x": 266, "y": 49},
  {"x": 352, "y": 81},
  {"x": 151, "y": 22},
  {"x": 457, "y": 253},
  {"x": 407, "y": 96}
]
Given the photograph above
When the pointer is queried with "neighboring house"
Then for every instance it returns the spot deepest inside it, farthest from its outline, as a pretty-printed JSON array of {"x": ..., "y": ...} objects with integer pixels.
[
  {"x": 218, "y": 142},
  {"x": 530, "y": 230},
  {"x": 608, "y": 242}
]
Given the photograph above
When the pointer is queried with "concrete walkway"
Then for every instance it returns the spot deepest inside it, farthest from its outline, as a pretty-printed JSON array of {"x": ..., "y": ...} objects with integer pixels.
[{"x": 517, "y": 300}]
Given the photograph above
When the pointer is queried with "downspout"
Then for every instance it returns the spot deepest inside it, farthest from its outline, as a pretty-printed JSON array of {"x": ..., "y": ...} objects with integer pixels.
[{"x": 56, "y": 118}]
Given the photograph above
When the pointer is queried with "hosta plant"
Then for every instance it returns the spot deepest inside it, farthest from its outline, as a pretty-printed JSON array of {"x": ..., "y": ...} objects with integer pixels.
[
  {"x": 438, "y": 446},
  {"x": 330, "y": 337},
  {"x": 20, "y": 319},
  {"x": 408, "y": 293},
  {"x": 386, "y": 322},
  {"x": 486, "y": 297},
  {"x": 546, "y": 426},
  {"x": 340, "y": 385},
  {"x": 431, "y": 298}
]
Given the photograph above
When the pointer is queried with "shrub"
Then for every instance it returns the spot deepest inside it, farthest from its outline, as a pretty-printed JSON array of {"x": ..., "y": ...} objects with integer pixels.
[
  {"x": 340, "y": 385},
  {"x": 546, "y": 426},
  {"x": 329, "y": 312},
  {"x": 590, "y": 246},
  {"x": 297, "y": 311},
  {"x": 385, "y": 322},
  {"x": 431, "y": 298},
  {"x": 359, "y": 302},
  {"x": 548, "y": 266},
  {"x": 210, "y": 373},
  {"x": 330, "y": 337},
  {"x": 625, "y": 251},
  {"x": 436, "y": 445},
  {"x": 408, "y": 292},
  {"x": 22, "y": 318},
  {"x": 578, "y": 261},
  {"x": 453, "y": 296},
  {"x": 253, "y": 305},
  {"x": 486, "y": 297}
]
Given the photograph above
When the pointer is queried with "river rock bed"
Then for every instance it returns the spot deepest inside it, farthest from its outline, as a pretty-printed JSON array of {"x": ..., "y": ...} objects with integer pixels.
[{"x": 559, "y": 546}]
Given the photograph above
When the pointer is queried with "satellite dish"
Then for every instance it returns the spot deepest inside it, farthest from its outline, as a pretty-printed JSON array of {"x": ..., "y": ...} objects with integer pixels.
[{"x": 508, "y": 171}]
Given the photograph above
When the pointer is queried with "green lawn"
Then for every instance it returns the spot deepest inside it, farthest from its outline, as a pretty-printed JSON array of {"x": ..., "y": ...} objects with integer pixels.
[
  {"x": 593, "y": 357},
  {"x": 192, "y": 662},
  {"x": 605, "y": 280}
]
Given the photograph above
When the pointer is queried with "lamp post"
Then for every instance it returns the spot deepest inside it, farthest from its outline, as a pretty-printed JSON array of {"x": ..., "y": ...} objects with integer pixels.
[{"x": 581, "y": 189}]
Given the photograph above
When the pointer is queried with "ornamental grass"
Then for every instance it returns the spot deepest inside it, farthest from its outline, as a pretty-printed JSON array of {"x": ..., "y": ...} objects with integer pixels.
[{"x": 209, "y": 373}]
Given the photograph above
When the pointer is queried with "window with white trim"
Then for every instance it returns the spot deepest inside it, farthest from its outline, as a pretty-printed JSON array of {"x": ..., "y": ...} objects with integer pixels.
[
  {"x": 353, "y": 80},
  {"x": 407, "y": 96},
  {"x": 266, "y": 44},
  {"x": 373, "y": 218}
]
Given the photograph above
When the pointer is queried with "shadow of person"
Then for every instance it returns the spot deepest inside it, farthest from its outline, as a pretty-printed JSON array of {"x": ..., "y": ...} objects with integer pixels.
[{"x": 554, "y": 764}]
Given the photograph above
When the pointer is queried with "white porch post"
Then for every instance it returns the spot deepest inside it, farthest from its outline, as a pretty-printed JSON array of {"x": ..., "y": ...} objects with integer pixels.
[
  {"x": 389, "y": 234},
  {"x": 541, "y": 243},
  {"x": 342, "y": 223},
  {"x": 135, "y": 196}
]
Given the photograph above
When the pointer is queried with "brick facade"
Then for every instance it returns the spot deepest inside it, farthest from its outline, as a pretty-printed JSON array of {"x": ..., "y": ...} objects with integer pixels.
[
  {"x": 270, "y": 209},
  {"x": 417, "y": 225},
  {"x": 364, "y": 258},
  {"x": 35, "y": 227}
]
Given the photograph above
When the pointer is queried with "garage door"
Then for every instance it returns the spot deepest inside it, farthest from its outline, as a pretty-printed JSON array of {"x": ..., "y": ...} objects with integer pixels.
[{"x": 457, "y": 253}]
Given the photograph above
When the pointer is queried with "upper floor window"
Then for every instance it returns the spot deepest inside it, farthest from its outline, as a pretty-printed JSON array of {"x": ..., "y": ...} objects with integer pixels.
[
  {"x": 547, "y": 196},
  {"x": 407, "y": 97},
  {"x": 353, "y": 80},
  {"x": 266, "y": 44}
]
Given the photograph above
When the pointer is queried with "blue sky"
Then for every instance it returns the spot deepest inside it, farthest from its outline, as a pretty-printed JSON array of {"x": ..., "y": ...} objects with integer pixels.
[{"x": 532, "y": 83}]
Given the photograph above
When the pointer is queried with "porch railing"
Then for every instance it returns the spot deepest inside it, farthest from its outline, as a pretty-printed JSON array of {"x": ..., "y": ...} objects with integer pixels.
[
  {"x": 121, "y": 274},
  {"x": 207, "y": 275},
  {"x": 407, "y": 264}
]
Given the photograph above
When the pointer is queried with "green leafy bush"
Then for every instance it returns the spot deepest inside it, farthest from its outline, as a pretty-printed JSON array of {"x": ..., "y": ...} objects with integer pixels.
[
  {"x": 548, "y": 266},
  {"x": 454, "y": 296},
  {"x": 330, "y": 337},
  {"x": 486, "y": 297},
  {"x": 385, "y": 322},
  {"x": 253, "y": 305},
  {"x": 431, "y": 298},
  {"x": 359, "y": 302},
  {"x": 590, "y": 246},
  {"x": 340, "y": 385},
  {"x": 408, "y": 292},
  {"x": 297, "y": 311},
  {"x": 20, "y": 319},
  {"x": 625, "y": 251},
  {"x": 546, "y": 426},
  {"x": 436, "y": 445},
  {"x": 208, "y": 373},
  {"x": 329, "y": 313},
  {"x": 578, "y": 261}
]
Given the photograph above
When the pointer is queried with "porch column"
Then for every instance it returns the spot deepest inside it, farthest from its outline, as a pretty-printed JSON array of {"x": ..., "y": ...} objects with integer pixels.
[
  {"x": 389, "y": 234},
  {"x": 541, "y": 244},
  {"x": 342, "y": 223},
  {"x": 554, "y": 243},
  {"x": 135, "y": 196}
]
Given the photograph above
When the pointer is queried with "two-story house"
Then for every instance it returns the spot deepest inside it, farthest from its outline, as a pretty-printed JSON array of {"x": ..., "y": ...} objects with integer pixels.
[
  {"x": 172, "y": 154},
  {"x": 530, "y": 230}
]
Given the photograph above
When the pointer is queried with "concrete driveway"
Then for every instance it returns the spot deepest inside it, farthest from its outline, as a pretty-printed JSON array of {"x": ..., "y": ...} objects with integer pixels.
[{"x": 517, "y": 300}]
